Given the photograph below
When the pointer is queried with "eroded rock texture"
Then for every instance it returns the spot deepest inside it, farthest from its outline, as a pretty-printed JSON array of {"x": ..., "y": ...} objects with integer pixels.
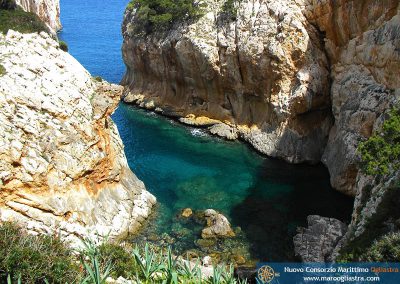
[
  {"x": 362, "y": 40},
  {"x": 317, "y": 242},
  {"x": 62, "y": 164},
  {"x": 47, "y": 10},
  {"x": 265, "y": 75}
]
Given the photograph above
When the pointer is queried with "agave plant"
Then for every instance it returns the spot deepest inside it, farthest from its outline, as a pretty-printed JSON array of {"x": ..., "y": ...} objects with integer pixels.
[
  {"x": 228, "y": 275},
  {"x": 89, "y": 258},
  {"x": 170, "y": 269},
  {"x": 188, "y": 272},
  {"x": 9, "y": 281},
  {"x": 217, "y": 277},
  {"x": 147, "y": 263}
]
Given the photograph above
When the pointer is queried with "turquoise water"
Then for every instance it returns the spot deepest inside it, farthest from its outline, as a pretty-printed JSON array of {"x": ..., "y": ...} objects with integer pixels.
[{"x": 265, "y": 199}]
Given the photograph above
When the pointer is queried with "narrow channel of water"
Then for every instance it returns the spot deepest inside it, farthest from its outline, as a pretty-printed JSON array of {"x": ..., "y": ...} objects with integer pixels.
[{"x": 265, "y": 199}]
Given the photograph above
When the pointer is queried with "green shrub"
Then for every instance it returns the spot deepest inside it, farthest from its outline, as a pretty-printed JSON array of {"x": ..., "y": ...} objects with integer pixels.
[
  {"x": 158, "y": 15},
  {"x": 63, "y": 46},
  {"x": 34, "y": 258},
  {"x": 2, "y": 70},
  {"x": 380, "y": 154},
  {"x": 45, "y": 259},
  {"x": 123, "y": 263},
  {"x": 98, "y": 79},
  {"x": 230, "y": 9},
  {"x": 386, "y": 249},
  {"x": 21, "y": 21}
]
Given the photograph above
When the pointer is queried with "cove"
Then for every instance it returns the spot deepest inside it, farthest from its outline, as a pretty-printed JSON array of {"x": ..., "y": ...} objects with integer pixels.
[{"x": 265, "y": 199}]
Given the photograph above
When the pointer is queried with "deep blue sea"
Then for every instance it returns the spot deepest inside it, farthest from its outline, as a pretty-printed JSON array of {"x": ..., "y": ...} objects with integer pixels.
[{"x": 265, "y": 199}]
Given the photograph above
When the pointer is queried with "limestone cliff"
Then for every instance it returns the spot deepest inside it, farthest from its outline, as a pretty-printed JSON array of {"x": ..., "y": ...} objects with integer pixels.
[
  {"x": 62, "y": 165},
  {"x": 263, "y": 76},
  {"x": 277, "y": 76},
  {"x": 47, "y": 10}
]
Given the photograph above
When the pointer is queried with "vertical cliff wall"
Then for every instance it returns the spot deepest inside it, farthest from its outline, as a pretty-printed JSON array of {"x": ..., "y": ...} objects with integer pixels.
[
  {"x": 362, "y": 40},
  {"x": 47, "y": 10},
  {"x": 263, "y": 76},
  {"x": 62, "y": 164}
]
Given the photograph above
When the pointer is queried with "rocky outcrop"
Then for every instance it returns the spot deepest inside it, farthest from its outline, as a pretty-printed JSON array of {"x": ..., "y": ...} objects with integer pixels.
[
  {"x": 362, "y": 40},
  {"x": 265, "y": 75},
  {"x": 317, "y": 242},
  {"x": 62, "y": 164},
  {"x": 47, "y": 10},
  {"x": 218, "y": 226}
]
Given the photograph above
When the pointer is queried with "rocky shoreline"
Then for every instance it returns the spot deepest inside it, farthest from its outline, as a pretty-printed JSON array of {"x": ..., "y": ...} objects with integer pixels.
[{"x": 304, "y": 81}]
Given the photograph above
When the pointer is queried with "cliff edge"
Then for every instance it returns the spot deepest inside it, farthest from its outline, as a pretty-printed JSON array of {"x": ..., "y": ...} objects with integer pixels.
[{"x": 62, "y": 165}]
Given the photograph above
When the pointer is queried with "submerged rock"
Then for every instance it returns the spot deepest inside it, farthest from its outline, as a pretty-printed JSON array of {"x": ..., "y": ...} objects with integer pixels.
[
  {"x": 317, "y": 242},
  {"x": 62, "y": 165},
  {"x": 217, "y": 225},
  {"x": 187, "y": 212},
  {"x": 205, "y": 243}
]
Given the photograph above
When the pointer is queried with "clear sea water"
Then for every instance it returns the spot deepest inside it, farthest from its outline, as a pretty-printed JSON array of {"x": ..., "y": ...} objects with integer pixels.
[{"x": 185, "y": 167}]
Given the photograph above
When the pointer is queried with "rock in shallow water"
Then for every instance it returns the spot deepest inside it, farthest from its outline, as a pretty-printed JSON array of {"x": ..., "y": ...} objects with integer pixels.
[
  {"x": 186, "y": 213},
  {"x": 217, "y": 225}
]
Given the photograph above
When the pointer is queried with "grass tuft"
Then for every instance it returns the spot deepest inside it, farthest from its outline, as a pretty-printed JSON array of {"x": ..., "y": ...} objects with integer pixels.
[
  {"x": 19, "y": 20},
  {"x": 63, "y": 46},
  {"x": 2, "y": 70}
]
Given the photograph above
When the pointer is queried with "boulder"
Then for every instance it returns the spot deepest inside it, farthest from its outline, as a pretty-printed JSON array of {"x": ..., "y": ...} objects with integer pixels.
[{"x": 218, "y": 225}]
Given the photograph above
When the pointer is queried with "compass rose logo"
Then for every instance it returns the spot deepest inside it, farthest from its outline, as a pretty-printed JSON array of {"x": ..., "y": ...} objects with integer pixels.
[{"x": 266, "y": 274}]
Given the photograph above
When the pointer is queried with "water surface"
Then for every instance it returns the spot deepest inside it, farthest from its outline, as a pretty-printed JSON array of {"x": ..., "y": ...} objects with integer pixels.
[{"x": 265, "y": 199}]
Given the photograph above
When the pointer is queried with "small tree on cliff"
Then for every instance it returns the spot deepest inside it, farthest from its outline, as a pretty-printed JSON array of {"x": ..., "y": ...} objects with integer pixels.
[
  {"x": 380, "y": 154},
  {"x": 156, "y": 15}
]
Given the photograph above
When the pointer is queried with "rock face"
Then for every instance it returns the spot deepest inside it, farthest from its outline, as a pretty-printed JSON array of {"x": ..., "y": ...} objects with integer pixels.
[
  {"x": 47, "y": 10},
  {"x": 62, "y": 165},
  {"x": 281, "y": 76},
  {"x": 365, "y": 58},
  {"x": 265, "y": 74},
  {"x": 217, "y": 226},
  {"x": 317, "y": 242}
]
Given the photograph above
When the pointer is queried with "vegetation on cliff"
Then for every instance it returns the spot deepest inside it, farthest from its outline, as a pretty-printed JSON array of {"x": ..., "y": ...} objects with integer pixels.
[
  {"x": 380, "y": 156},
  {"x": 33, "y": 258},
  {"x": 157, "y": 15},
  {"x": 46, "y": 259},
  {"x": 230, "y": 9},
  {"x": 381, "y": 152},
  {"x": 2, "y": 70},
  {"x": 13, "y": 17}
]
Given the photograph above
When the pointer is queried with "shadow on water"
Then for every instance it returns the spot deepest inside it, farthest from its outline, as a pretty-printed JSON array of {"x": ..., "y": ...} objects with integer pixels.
[{"x": 280, "y": 201}]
